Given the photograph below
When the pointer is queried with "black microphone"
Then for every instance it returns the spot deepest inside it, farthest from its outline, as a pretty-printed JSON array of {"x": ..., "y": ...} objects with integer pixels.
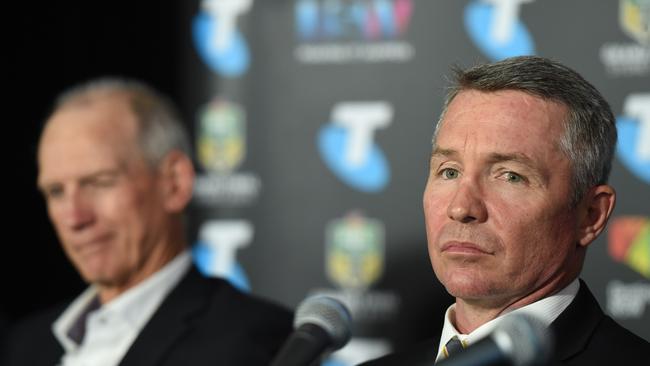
[
  {"x": 321, "y": 324},
  {"x": 518, "y": 340}
]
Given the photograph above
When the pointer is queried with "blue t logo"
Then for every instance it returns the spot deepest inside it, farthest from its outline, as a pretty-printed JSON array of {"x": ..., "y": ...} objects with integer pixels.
[
  {"x": 633, "y": 146},
  {"x": 495, "y": 28},
  {"x": 217, "y": 40},
  {"x": 347, "y": 144}
]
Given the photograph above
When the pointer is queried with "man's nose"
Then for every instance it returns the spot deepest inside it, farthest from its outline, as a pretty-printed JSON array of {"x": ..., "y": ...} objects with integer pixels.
[
  {"x": 78, "y": 212},
  {"x": 467, "y": 205}
]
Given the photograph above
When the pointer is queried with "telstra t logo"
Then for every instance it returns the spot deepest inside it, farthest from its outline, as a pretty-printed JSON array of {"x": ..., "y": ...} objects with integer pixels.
[
  {"x": 347, "y": 145},
  {"x": 221, "y": 46},
  {"x": 634, "y": 135},
  {"x": 495, "y": 28},
  {"x": 215, "y": 253}
]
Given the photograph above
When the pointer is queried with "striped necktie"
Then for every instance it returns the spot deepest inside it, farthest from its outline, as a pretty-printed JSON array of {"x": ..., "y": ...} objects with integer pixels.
[{"x": 453, "y": 347}]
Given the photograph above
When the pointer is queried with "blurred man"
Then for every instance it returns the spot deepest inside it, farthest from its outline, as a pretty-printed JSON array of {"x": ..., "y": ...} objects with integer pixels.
[
  {"x": 115, "y": 173},
  {"x": 517, "y": 190}
]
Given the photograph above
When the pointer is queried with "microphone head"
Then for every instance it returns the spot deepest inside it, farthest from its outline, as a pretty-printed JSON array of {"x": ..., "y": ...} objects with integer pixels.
[
  {"x": 524, "y": 338},
  {"x": 327, "y": 313}
]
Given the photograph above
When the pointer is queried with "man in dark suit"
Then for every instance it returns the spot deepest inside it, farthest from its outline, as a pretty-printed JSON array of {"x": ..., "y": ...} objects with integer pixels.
[
  {"x": 517, "y": 190},
  {"x": 115, "y": 172}
]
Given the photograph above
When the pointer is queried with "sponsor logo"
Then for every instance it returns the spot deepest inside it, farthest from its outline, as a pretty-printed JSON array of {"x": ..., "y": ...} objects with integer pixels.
[
  {"x": 218, "y": 42},
  {"x": 633, "y": 127},
  {"x": 240, "y": 189},
  {"x": 369, "y": 20},
  {"x": 627, "y": 300},
  {"x": 629, "y": 243},
  {"x": 634, "y": 17},
  {"x": 221, "y": 143},
  {"x": 347, "y": 145},
  {"x": 495, "y": 28},
  {"x": 343, "y": 31},
  {"x": 354, "y": 262},
  {"x": 215, "y": 254},
  {"x": 630, "y": 59},
  {"x": 221, "y": 149},
  {"x": 354, "y": 251}
]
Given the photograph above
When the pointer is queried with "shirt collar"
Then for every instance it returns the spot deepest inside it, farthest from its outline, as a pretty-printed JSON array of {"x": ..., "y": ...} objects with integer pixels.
[
  {"x": 135, "y": 306},
  {"x": 546, "y": 310}
]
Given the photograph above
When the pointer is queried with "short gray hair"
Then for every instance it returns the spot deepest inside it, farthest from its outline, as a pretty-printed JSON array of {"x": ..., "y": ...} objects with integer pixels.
[
  {"x": 589, "y": 138},
  {"x": 160, "y": 129}
]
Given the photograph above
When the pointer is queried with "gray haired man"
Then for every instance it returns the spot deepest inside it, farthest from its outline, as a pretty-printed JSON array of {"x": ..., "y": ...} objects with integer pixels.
[
  {"x": 114, "y": 168},
  {"x": 517, "y": 191}
]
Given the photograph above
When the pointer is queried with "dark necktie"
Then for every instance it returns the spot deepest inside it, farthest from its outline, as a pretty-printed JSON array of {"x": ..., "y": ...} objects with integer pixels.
[
  {"x": 453, "y": 347},
  {"x": 78, "y": 328}
]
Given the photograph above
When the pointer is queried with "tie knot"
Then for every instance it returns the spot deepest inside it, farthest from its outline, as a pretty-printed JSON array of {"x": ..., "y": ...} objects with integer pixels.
[{"x": 453, "y": 346}]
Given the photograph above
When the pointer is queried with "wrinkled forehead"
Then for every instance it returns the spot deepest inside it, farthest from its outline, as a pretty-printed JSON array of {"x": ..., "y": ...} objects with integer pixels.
[
  {"x": 109, "y": 115},
  {"x": 510, "y": 109},
  {"x": 92, "y": 129},
  {"x": 506, "y": 122}
]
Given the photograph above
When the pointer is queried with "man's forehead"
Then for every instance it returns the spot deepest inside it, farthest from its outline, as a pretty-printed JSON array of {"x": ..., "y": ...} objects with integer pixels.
[
  {"x": 512, "y": 99},
  {"x": 110, "y": 118},
  {"x": 54, "y": 171},
  {"x": 80, "y": 140},
  {"x": 509, "y": 112},
  {"x": 96, "y": 97},
  {"x": 96, "y": 106}
]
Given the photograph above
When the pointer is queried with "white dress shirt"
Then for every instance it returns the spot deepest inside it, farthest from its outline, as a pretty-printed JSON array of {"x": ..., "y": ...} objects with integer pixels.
[
  {"x": 546, "y": 310},
  {"x": 111, "y": 329}
]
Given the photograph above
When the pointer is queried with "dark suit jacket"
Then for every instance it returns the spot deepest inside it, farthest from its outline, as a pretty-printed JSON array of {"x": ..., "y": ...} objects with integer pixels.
[
  {"x": 203, "y": 321},
  {"x": 584, "y": 335}
]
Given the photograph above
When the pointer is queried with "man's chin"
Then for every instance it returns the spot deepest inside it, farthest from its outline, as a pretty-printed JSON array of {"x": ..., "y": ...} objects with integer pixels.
[
  {"x": 468, "y": 288},
  {"x": 97, "y": 276}
]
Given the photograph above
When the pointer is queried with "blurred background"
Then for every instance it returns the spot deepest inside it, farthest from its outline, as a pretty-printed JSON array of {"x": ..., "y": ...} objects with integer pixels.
[{"x": 311, "y": 122}]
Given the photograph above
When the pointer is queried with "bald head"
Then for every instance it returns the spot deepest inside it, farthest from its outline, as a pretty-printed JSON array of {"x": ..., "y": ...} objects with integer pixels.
[{"x": 159, "y": 129}]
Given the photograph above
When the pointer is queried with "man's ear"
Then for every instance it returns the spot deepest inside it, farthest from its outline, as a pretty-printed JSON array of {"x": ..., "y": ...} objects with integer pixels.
[
  {"x": 177, "y": 176},
  {"x": 596, "y": 208}
]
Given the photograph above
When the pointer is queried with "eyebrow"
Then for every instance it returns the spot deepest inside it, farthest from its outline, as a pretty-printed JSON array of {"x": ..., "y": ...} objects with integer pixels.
[
  {"x": 492, "y": 158},
  {"x": 99, "y": 173},
  {"x": 514, "y": 157},
  {"x": 443, "y": 153}
]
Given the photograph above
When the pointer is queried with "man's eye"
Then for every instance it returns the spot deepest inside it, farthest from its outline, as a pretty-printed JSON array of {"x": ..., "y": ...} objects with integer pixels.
[
  {"x": 513, "y": 177},
  {"x": 102, "y": 181},
  {"x": 53, "y": 192},
  {"x": 449, "y": 173}
]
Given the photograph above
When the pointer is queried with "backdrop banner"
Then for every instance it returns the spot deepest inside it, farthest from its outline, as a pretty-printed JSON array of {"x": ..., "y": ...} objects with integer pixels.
[{"x": 312, "y": 124}]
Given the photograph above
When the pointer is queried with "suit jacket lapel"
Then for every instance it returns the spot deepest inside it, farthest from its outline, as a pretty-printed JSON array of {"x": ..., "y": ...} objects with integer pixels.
[
  {"x": 574, "y": 326},
  {"x": 170, "y": 322}
]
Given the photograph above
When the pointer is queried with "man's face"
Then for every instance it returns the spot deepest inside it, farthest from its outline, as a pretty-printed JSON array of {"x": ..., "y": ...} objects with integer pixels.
[
  {"x": 497, "y": 201},
  {"x": 102, "y": 198}
]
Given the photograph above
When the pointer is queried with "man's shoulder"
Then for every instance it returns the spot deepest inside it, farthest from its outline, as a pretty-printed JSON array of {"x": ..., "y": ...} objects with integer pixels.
[
  {"x": 31, "y": 338},
  {"x": 234, "y": 301},
  {"x": 215, "y": 306},
  {"x": 585, "y": 335},
  {"x": 611, "y": 335},
  {"x": 206, "y": 320},
  {"x": 610, "y": 344},
  {"x": 221, "y": 294}
]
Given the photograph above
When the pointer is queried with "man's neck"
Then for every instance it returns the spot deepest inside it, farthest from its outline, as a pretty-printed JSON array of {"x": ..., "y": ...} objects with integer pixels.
[
  {"x": 470, "y": 314},
  {"x": 167, "y": 251}
]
